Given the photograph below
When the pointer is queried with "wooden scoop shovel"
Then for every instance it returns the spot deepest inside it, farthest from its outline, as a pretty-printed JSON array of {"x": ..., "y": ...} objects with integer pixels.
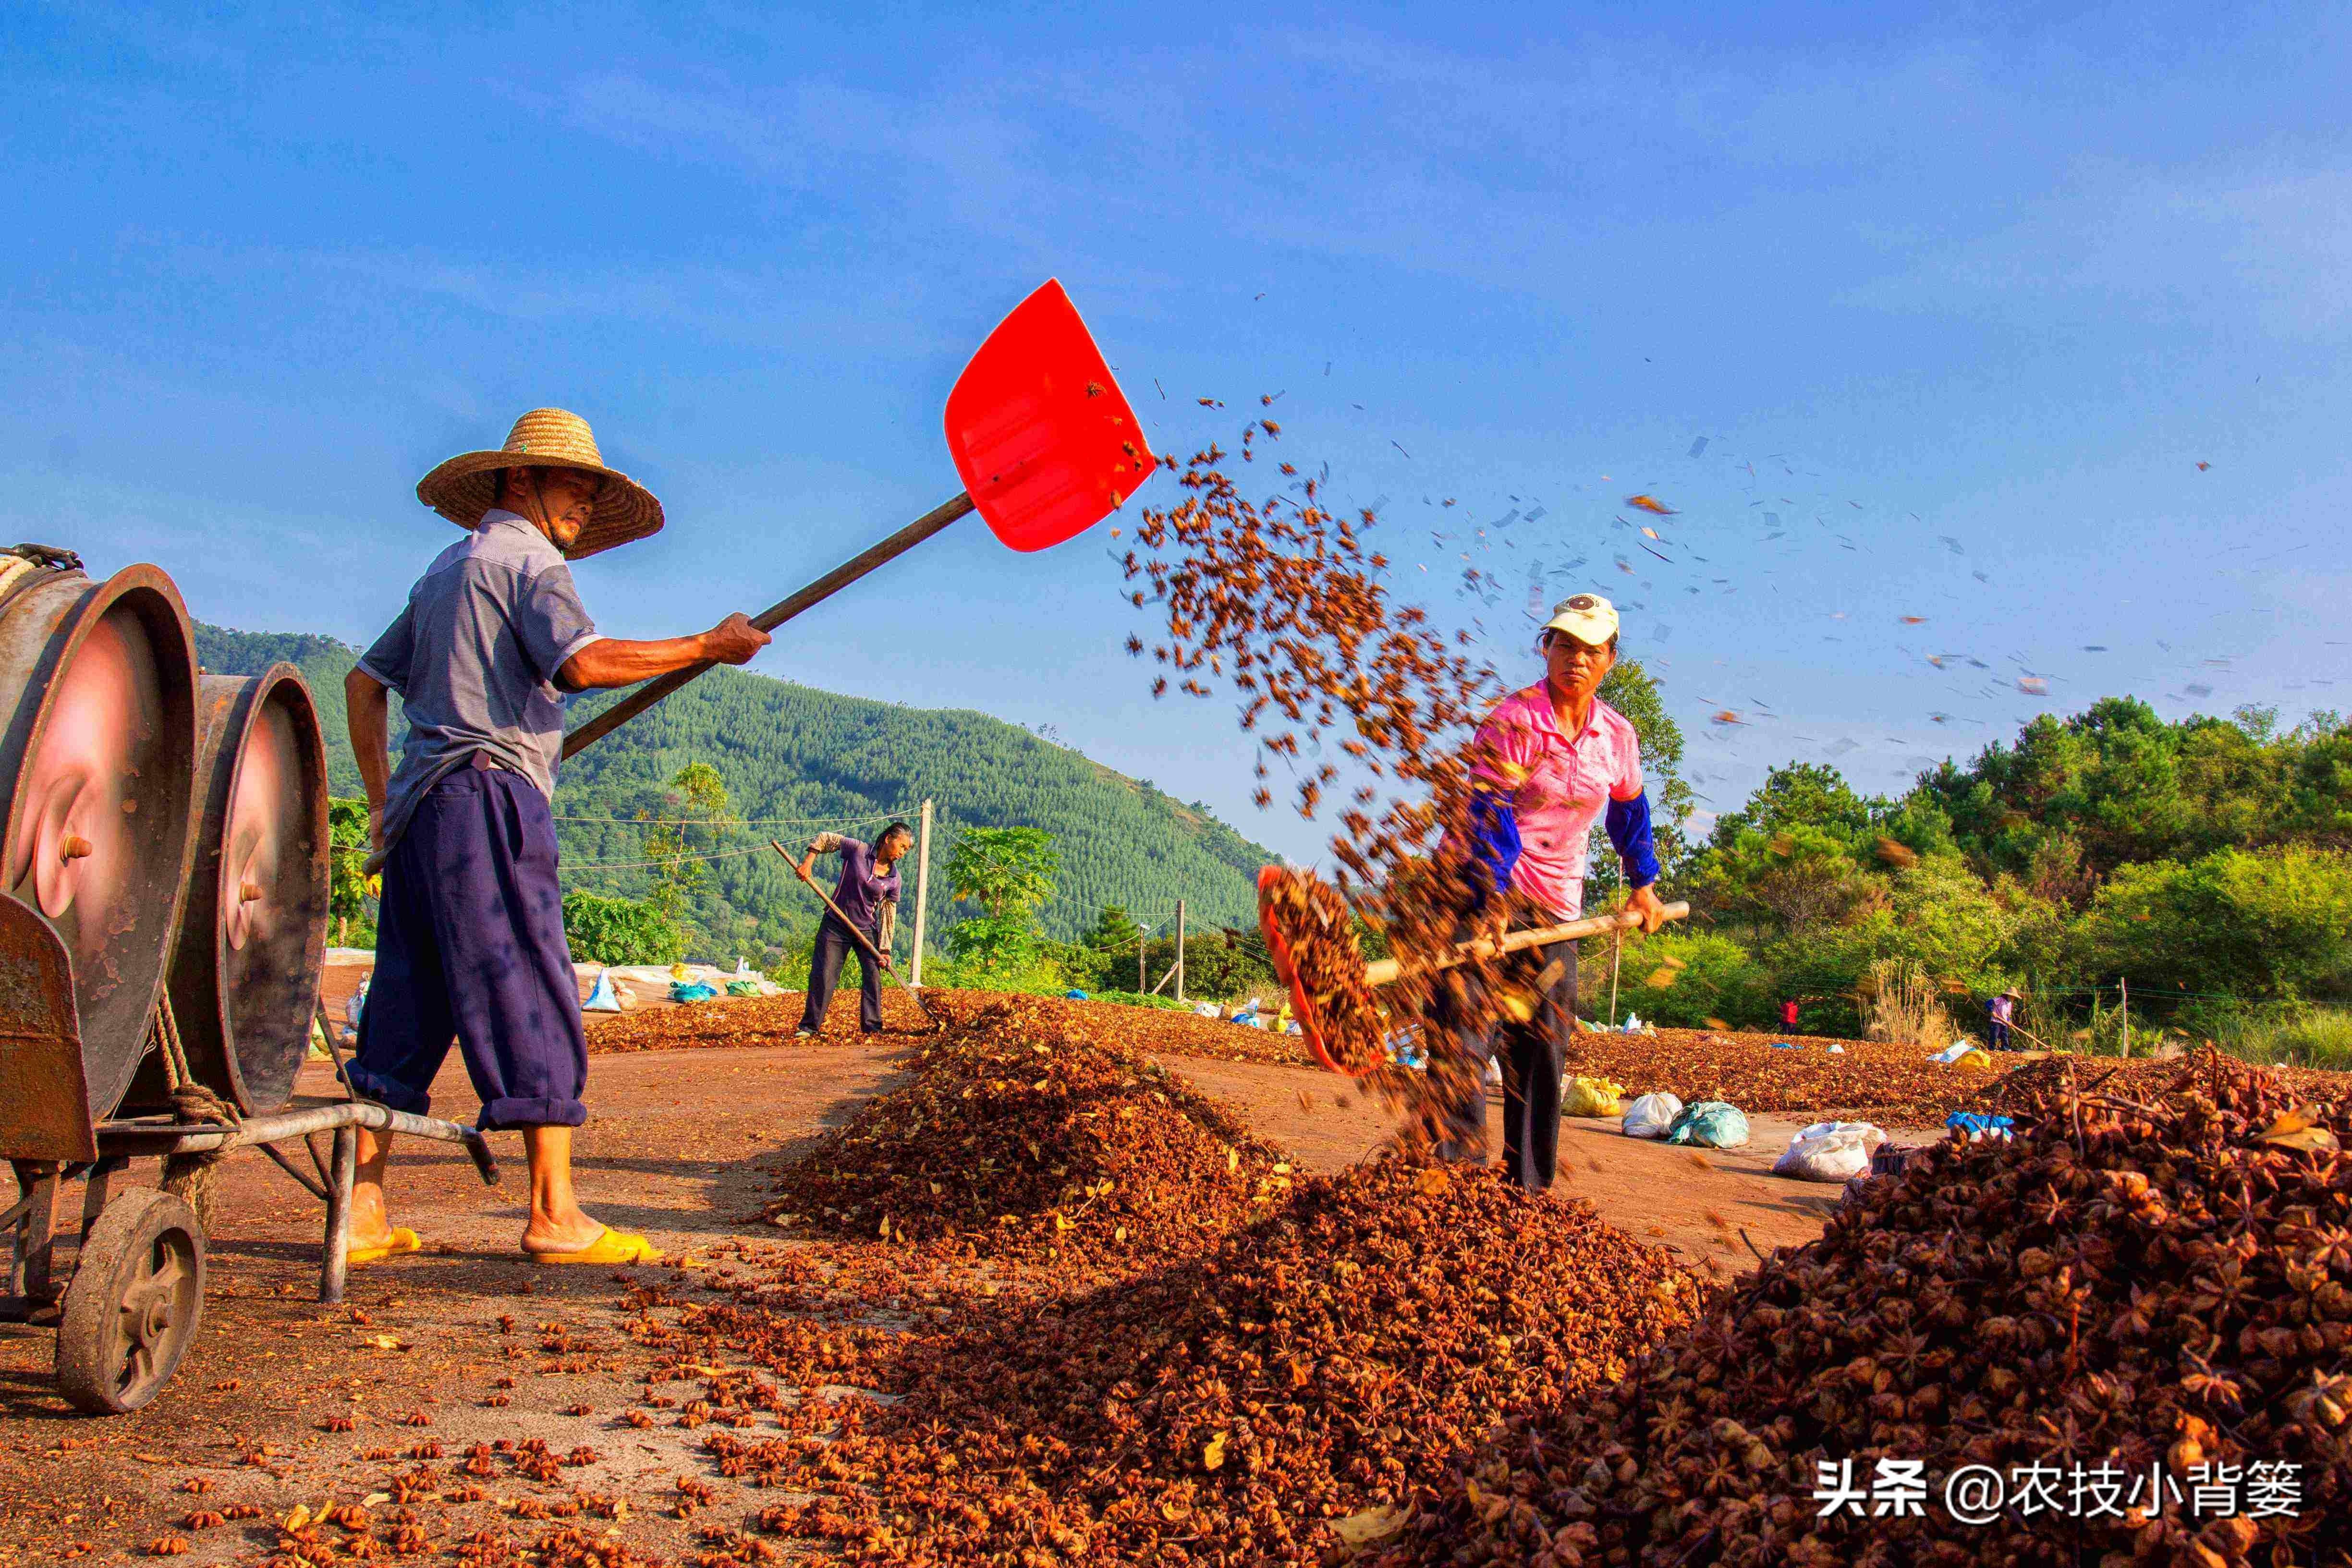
[{"x": 1294, "y": 912}]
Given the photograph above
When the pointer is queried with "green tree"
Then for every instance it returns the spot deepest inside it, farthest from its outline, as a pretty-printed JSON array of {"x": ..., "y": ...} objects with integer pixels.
[
  {"x": 1006, "y": 874},
  {"x": 2269, "y": 926},
  {"x": 1215, "y": 966},
  {"x": 698, "y": 817},
  {"x": 1794, "y": 879},
  {"x": 602, "y": 930},
  {"x": 1797, "y": 795},
  {"x": 1632, "y": 691},
  {"x": 1114, "y": 931},
  {"x": 1681, "y": 978},
  {"x": 349, "y": 890}
]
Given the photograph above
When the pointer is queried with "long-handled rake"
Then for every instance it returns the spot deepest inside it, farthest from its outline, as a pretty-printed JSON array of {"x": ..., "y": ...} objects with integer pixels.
[{"x": 873, "y": 953}]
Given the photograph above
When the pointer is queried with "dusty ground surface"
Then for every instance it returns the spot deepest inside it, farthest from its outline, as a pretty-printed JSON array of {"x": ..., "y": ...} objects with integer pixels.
[{"x": 683, "y": 1146}]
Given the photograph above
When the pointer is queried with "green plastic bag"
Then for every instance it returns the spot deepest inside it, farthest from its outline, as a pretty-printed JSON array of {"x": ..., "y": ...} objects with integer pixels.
[{"x": 1711, "y": 1124}]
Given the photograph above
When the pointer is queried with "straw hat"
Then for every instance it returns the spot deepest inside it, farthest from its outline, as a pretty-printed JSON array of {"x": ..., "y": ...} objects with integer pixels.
[{"x": 467, "y": 486}]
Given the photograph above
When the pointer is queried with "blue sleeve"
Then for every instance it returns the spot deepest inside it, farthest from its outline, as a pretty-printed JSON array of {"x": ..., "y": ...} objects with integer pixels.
[
  {"x": 1629, "y": 831},
  {"x": 1494, "y": 843}
]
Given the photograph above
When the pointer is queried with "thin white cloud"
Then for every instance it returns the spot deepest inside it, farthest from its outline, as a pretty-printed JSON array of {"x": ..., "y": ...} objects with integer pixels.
[{"x": 2272, "y": 246}]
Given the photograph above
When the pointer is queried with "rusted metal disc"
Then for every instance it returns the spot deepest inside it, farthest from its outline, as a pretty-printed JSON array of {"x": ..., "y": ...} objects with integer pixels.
[
  {"x": 98, "y": 684},
  {"x": 246, "y": 971}
]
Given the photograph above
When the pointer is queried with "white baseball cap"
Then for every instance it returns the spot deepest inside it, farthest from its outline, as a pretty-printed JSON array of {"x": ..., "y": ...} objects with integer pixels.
[{"x": 1587, "y": 617}]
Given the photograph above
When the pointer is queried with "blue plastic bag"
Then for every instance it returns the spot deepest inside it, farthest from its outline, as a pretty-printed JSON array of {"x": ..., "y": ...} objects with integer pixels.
[
  {"x": 691, "y": 991},
  {"x": 1711, "y": 1124},
  {"x": 1074, "y": 995},
  {"x": 1977, "y": 1126}
]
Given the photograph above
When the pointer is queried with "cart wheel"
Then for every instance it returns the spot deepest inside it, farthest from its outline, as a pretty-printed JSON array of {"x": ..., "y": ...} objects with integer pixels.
[{"x": 137, "y": 1291}]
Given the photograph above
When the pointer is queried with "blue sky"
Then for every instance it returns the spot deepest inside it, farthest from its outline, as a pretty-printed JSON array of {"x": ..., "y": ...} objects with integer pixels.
[{"x": 1961, "y": 302}]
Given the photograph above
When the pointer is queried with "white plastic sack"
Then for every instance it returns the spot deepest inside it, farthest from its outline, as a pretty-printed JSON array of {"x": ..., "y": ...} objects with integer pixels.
[
  {"x": 1650, "y": 1115},
  {"x": 1952, "y": 1052},
  {"x": 601, "y": 998},
  {"x": 1830, "y": 1151}
]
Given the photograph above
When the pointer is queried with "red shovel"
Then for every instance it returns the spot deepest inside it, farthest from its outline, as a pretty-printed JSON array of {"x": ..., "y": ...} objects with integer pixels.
[
  {"x": 1358, "y": 1057},
  {"x": 1045, "y": 441}
]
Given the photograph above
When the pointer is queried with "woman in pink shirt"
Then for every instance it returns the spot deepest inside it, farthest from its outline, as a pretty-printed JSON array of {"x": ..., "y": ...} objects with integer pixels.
[{"x": 1555, "y": 759}]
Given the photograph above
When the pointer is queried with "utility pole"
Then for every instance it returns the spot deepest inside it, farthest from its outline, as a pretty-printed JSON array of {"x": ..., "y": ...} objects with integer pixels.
[
  {"x": 1180, "y": 949},
  {"x": 922, "y": 888},
  {"x": 2123, "y": 992},
  {"x": 1142, "y": 954}
]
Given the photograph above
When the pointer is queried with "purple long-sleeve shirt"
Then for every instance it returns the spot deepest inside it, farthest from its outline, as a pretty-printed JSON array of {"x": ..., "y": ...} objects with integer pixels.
[{"x": 868, "y": 899}]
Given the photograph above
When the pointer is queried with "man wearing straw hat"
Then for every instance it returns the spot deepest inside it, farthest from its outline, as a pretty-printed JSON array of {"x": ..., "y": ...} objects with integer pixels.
[{"x": 470, "y": 938}]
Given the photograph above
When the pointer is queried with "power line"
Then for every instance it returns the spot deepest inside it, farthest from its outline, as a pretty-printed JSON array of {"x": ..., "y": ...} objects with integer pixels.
[
  {"x": 669, "y": 859},
  {"x": 732, "y": 822}
]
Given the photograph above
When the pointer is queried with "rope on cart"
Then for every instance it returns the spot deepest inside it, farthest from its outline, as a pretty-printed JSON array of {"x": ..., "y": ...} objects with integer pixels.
[{"x": 188, "y": 1176}]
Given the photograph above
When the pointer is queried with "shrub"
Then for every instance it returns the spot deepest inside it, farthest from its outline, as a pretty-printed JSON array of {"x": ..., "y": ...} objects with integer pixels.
[
  {"x": 602, "y": 930},
  {"x": 1700, "y": 975},
  {"x": 1137, "y": 999},
  {"x": 2275, "y": 924}
]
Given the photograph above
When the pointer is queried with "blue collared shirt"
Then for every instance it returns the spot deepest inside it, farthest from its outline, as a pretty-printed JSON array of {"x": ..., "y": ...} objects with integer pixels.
[{"x": 474, "y": 654}]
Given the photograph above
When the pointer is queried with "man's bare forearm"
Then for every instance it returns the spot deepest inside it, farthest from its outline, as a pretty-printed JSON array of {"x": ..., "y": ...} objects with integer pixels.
[
  {"x": 612, "y": 662},
  {"x": 368, "y": 711},
  {"x": 616, "y": 661}
]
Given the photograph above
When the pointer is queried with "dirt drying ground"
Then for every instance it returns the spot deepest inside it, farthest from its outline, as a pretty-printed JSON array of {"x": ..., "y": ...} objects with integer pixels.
[{"x": 683, "y": 1146}]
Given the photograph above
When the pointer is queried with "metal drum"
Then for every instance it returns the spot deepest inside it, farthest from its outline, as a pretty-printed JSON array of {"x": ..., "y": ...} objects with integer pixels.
[
  {"x": 97, "y": 684},
  {"x": 245, "y": 975}
]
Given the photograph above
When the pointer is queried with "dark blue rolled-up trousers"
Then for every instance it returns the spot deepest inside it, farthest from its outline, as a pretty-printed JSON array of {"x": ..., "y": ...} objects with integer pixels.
[
  {"x": 469, "y": 948},
  {"x": 833, "y": 946}
]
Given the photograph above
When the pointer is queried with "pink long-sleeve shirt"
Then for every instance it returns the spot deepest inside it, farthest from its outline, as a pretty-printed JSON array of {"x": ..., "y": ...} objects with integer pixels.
[{"x": 1559, "y": 786}]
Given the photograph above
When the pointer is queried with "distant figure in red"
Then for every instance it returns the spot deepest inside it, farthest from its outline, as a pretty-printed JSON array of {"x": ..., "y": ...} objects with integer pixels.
[{"x": 1788, "y": 1016}]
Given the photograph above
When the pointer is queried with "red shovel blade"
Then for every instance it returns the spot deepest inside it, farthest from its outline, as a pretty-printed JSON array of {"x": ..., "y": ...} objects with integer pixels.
[
  {"x": 1045, "y": 442},
  {"x": 1286, "y": 969}
]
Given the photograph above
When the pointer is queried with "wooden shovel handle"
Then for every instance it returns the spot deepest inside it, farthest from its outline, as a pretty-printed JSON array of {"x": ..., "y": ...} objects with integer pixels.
[
  {"x": 768, "y": 620},
  {"x": 1383, "y": 971}
]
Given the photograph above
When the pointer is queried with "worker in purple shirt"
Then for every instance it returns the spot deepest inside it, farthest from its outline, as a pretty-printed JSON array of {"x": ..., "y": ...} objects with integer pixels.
[
  {"x": 2001, "y": 1008},
  {"x": 868, "y": 895}
]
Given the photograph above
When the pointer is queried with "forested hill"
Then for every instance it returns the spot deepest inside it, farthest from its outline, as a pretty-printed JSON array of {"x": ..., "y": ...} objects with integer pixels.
[{"x": 816, "y": 759}]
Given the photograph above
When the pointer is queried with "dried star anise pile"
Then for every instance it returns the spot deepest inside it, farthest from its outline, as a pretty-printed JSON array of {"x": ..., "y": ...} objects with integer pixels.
[
  {"x": 1296, "y": 1387},
  {"x": 1155, "y": 1032},
  {"x": 736, "y": 1020},
  {"x": 1869, "y": 1079},
  {"x": 1018, "y": 1140},
  {"x": 2164, "y": 1279},
  {"x": 770, "y": 1020},
  {"x": 2037, "y": 1084}
]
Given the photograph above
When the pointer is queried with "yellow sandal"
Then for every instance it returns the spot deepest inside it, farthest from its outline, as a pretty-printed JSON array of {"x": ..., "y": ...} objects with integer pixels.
[
  {"x": 612, "y": 1247},
  {"x": 401, "y": 1239}
]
